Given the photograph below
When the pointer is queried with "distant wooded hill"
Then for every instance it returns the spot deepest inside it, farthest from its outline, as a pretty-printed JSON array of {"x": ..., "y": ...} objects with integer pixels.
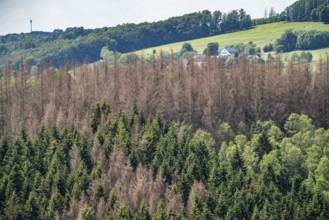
[
  {"x": 79, "y": 44},
  {"x": 59, "y": 48}
]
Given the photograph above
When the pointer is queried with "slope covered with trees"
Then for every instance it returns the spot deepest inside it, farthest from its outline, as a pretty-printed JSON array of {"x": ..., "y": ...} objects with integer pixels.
[
  {"x": 165, "y": 140},
  {"x": 131, "y": 37},
  {"x": 57, "y": 48},
  {"x": 133, "y": 167},
  {"x": 204, "y": 96},
  {"x": 160, "y": 138}
]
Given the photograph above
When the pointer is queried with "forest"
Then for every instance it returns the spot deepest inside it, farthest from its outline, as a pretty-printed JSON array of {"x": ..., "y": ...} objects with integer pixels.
[
  {"x": 308, "y": 10},
  {"x": 301, "y": 10},
  {"x": 165, "y": 140},
  {"x": 203, "y": 96}
]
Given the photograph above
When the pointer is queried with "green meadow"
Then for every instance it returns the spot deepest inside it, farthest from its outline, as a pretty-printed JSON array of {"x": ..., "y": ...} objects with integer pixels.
[{"x": 260, "y": 35}]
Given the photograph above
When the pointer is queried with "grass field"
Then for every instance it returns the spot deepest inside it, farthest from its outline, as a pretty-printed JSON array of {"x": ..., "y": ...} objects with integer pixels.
[{"x": 260, "y": 35}]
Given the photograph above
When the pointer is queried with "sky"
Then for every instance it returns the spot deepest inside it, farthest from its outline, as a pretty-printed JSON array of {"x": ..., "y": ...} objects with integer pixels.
[{"x": 47, "y": 15}]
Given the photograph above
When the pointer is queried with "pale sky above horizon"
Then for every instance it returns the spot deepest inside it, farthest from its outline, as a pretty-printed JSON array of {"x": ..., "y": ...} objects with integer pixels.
[{"x": 48, "y": 15}]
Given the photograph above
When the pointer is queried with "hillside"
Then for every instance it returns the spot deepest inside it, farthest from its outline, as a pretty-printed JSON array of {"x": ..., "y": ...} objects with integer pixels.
[
  {"x": 260, "y": 35},
  {"x": 148, "y": 142},
  {"x": 77, "y": 45},
  {"x": 159, "y": 137},
  {"x": 161, "y": 170}
]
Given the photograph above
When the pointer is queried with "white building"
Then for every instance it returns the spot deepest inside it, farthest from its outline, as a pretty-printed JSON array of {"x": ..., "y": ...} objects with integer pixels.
[{"x": 224, "y": 52}]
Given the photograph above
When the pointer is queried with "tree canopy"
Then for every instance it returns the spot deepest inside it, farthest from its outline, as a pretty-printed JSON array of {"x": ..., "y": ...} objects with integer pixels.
[{"x": 167, "y": 169}]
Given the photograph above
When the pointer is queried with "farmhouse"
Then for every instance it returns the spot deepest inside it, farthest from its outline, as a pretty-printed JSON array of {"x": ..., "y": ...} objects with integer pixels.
[{"x": 224, "y": 52}]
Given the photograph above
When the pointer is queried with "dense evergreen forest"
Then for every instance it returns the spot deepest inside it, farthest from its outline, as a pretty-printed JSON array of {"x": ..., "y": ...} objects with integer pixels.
[
  {"x": 133, "y": 167},
  {"x": 165, "y": 140},
  {"x": 161, "y": 138}
]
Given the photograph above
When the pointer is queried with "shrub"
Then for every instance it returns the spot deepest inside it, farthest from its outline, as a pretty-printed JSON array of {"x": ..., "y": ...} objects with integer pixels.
[{"x": 268, "y": 48}]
